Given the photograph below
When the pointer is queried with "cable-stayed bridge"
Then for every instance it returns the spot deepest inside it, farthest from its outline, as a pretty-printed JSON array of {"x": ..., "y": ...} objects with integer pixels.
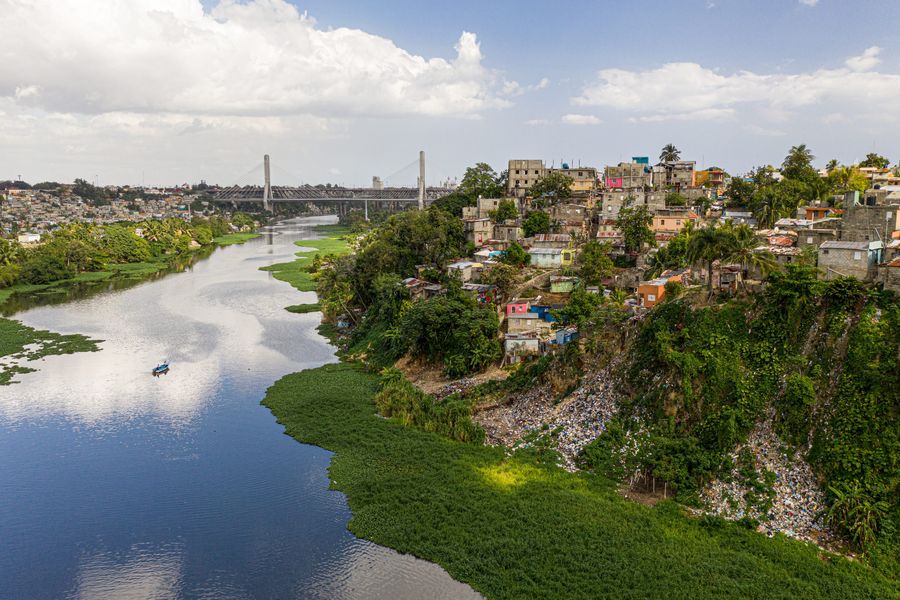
[{"x": 342, "y": 198}]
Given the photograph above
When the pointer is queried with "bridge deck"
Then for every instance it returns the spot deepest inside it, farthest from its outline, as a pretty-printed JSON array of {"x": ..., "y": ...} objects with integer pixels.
[{"x": 318, "y": 194}]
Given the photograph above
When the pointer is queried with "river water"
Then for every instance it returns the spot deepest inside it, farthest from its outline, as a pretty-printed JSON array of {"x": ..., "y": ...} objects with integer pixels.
[{"x": 116, "y": 484}]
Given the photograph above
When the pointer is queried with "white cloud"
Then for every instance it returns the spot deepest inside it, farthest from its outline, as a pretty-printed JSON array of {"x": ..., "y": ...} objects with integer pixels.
[
  {"x": 809, "y": 2},
  {"x": 535, "y": 122},
  {"x": 866, "y": 61},
  {"x": 261, "y": 58},
  {"x": 573, "y": 119},
  {"x": 689, "y": 91}
]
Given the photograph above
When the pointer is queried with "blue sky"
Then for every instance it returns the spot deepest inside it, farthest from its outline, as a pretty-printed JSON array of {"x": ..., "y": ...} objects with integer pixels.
[{"x": 177, "y": 92}]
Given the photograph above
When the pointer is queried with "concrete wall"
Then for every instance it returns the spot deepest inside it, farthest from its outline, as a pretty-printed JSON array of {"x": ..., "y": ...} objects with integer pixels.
[{"x": 837, "y": 262}]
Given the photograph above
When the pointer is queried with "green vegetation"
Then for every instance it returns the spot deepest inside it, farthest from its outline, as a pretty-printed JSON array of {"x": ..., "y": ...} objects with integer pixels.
[
  {"x": 517, "y": 526},
  {"x": 669, "y": 153},
  {"x": 302, "y": 309},
  {"x": 505, "y": 211},
  {"x": 20, "y": 342},
  {"x": 552, "y": 187},
  {"x": 634, "y": 223},
  {"x": 822, "y": 355},
  {"x": 83, "y": 252},
  {"x": 234, "y": 238},
  {"x": 536, "y": 222},
  {"x": 301, "y": 272}
]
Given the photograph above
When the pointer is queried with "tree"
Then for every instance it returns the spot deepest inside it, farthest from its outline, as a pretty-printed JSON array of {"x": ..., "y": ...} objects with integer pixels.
[
  {"x": 847, "y": 179},
  {"x": 536, "y": 222},
  {"x": 594, "y": 263},
  {"x": 832, "y": 165},
  {"x": 480, "y": 181},
  {"x": 741, "y": 247},
  {"x": 505, "y": 210},
  {"x": 798, "y": 162},
  {"x": 875, "y": 160},
  {"x": 515, "y": 255},
  {"x": 739, "y": 192},
  {"x": 553, "y": 185},
  {"x": 634, "y": 223},
  {"x": 669, "y": 153},
  {"x": 453, "y": 203},
  {"x": 856, "y": 513},
  {"x": 580, "y": 307},
  {"x": 504, "y": 276},
  {"x": 675, "y": 199},
  {"x": 89, "y": 192},
  {"x": 708, "y": 244}
]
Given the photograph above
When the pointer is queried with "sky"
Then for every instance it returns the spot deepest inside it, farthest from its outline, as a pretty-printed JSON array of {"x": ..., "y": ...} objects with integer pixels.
[{"x": 164, "y": 92}]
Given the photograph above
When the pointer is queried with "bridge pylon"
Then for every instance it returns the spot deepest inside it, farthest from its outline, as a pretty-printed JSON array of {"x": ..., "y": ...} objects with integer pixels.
[{"x": 267, "y": 189}]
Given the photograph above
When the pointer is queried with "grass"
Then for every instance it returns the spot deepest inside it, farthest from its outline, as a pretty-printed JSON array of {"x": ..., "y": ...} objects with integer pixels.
[
  {"x": 296, "y": 272},
  {"x": 515, "y": 527},
  {"x": 24, "y": 343},
  {"x": 234, "y": 238},
  {"x": 302, "y": 309}
]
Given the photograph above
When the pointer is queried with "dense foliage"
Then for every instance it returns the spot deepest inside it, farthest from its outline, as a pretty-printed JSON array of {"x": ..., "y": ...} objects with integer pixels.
[
  {"x": 81, "y": 248},
  {"x": 822, "y": 355},
  {"x": 513, "y": 526}
]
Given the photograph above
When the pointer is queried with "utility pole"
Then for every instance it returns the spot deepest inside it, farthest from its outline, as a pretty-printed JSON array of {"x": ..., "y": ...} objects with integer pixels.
[
  {"x": 267, "y": 190},
  {"x": 421, "y": 180}
]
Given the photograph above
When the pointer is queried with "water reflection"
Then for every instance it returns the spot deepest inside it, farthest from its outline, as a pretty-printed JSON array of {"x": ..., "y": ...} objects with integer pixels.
[
  {"x": 117, "y": 484},
  {"x": 144, "y": 573}
]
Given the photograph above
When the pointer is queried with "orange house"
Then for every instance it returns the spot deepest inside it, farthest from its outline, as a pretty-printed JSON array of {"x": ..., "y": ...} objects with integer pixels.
[{"x": 651, "y": 293}]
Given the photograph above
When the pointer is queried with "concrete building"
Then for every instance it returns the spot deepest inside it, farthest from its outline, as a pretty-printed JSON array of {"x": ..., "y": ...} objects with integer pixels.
[
  {"x": 377, "y": 183},
  {"x": 522, "y": 175},
  {"x": 675, "y": 175},
  {"x": 650, "y": 293},
  {"x": 478, "y": 231},
  {"x": 508, "y": 231},
  {"x": 672, "y": 220},
  {"x": 873, "y": 217},
  {"x": 521, "y": 346},
  {"x": 552, "y": 240},
  {"x": 466, "y": 270},
  {"x": 712, "y": 178},
  {"x": 889, "y": 275},
  {"x": 628, "y": 176},
  {"x": 850, "y": 259},
  {"x": 584, "y": 179},
  {"x": 527, "y": 322},
  {"x": 570, "y": 218},
  {"x": 614, "y": 201}
]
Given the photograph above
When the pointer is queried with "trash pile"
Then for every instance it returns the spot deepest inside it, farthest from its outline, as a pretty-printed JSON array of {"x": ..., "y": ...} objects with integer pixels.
[
  {"x": 455, "y": 387},
  {"x": 576, "y": 420},
  {"x": 797, "y": 503}
]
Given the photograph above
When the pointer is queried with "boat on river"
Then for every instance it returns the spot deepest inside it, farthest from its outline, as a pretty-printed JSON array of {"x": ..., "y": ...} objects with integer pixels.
[{"x": 161, "y": 369}]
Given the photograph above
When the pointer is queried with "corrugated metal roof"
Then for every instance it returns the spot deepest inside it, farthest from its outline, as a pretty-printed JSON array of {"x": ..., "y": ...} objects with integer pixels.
[{"x": 851, "y": 245}]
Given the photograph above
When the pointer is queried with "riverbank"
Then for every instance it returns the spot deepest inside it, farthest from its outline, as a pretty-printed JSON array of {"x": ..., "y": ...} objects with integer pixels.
[
  {"x": 336, "y": 241},
  {"x": 19, "y": 343},
  {"x": 514, "y": 525}
]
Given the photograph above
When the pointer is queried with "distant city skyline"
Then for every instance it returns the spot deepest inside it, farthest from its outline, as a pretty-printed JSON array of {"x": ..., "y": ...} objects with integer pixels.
[{"x": 172, "y": 91}]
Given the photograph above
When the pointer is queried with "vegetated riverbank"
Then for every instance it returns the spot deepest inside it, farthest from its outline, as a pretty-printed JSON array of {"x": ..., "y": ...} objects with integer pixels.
[
  {"x": 297, "y": 272},
  {"x": 514, "y": 524},
  {"x": 20, "y": 342}
]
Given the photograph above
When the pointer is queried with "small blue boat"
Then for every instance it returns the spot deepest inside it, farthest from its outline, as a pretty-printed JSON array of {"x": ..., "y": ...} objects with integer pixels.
[{"x": 161, "y": 369}]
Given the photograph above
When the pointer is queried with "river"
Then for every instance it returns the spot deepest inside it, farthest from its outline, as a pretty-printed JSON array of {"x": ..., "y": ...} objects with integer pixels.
[{"x": 116, "y": 484}]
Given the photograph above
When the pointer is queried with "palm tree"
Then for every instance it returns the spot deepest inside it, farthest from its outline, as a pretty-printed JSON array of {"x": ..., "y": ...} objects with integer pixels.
[
  {"x": 832, "y": 165},
  {"x": 707, "y": 244},
  {"x": 797, "y": 158},
  {"x": 669, "y": 153},
  {"x": 742, "y": 248}
]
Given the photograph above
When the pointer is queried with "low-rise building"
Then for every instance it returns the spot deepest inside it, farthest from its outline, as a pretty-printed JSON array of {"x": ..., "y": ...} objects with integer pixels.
[
  {"x": 519, "y": 347},
  {"x": 522, "y": 175},
  {"x": 527, "y": 322},
  {"x": 562, "y": 284},
  {"x": 890, "y": 275},
  {"x": 508, "y": 231},
  {"x": 672, "y": 220},
  {"x": 850, "y": 259},
  {"x": 466, "y": 270},
  {"x": 650, "y": 293},
  {"x": 552, "y": 258},
  {"x": 478, "y": 231},
  {"x": 552, "y": 240},
  {"x": 635, "y": 175}
]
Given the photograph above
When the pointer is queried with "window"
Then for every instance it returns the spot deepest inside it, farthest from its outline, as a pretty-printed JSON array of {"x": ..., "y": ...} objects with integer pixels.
[
  {"x": 857, "y": 255},
  {"x": 517, "y": 172},
  {"x": 825, "y": 251},
  {"x": 809, "y": 239},
  {"x": 651, "y": 297}
]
